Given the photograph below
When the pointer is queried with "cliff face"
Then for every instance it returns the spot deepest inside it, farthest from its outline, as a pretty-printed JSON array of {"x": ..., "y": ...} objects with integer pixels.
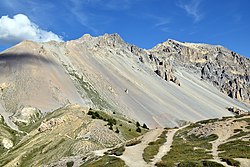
[
  {"x": 226, "y": 70},
  {"x": 164, "y": 86}
]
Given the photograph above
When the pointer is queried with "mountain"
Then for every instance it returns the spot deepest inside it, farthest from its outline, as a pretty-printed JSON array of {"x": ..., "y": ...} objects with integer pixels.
[
  {"x": 170, "y": 84},
  {"x": 90, "y": 101}
]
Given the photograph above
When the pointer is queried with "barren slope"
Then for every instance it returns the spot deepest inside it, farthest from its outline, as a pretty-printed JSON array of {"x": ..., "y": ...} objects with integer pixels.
[{"x": 105, "y": 72}]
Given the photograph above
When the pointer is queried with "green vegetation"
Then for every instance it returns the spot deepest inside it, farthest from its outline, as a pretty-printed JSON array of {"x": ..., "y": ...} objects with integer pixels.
[
  {"x": 117, "y": 130},
  {"x": 70, "y": 163},
  {"x": 190, "y": 164},
  {"x": 91, "y": 92},
  {"x": 208, "y": 121},
  {"x": 231, "y": 162},
  {"x": 211, "y": 164},
  {"x": 199, "y": 164},
  {"x": 106, "y": 161},
  {"x": 153, "y": 147},
  {"x": 133, "y": 142},
  {"x": 118, "y": 124},
  {"x": 145, "y": 126},
  {"x": 116, "y": 151},
  {"x": 235, "y": 149},
  {"x": 28, "y": 128},
  {"x": 7, "y": 132},
  {"x": 40, "y": 147},
  {"x": 239, "y": 134},
  {"x": 138, "y": 129},
  {"x": 188, "y": 148}
]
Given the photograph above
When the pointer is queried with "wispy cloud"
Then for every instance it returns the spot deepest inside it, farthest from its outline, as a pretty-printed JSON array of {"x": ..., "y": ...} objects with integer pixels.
[
  {"x": 112, "y": 4},
  {"x": 18, "y": 28},
  {"x": 160, "y": 22},
  {"x": 91, "y": 20},
  {"x": 192, "y": 7},
  {"x": 81, "y": 15}
]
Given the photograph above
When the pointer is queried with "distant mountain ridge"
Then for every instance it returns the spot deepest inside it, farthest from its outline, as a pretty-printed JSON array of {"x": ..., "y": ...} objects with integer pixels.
[{"x": 107, "y": 73}]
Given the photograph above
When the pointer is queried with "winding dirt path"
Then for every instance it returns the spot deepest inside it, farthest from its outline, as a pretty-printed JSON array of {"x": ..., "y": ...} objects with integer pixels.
[
  {"x": 224, "y": 132},
  {"x": 132, "y": 155},
  {"x": 165, "y": 148}
]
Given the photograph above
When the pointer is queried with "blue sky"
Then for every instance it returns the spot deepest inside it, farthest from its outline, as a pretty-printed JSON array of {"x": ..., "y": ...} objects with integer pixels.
[{"x": 144, "y": 23}]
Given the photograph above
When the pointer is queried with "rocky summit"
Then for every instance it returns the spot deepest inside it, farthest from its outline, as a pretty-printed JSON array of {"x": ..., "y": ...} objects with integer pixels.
[{"x": 95, "y": 93}]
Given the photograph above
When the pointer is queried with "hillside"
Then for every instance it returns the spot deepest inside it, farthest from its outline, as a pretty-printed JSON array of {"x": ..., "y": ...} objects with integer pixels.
[
  {"x": 107, "y": 73},
  {"x": 90, "y": 101},
  {"x": 71, "y": 132},
  {"x": 209, "y": 143}
]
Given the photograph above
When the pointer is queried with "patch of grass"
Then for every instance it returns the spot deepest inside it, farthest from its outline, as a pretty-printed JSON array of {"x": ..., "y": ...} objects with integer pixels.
[
  {"x": 231, "y": 162},
  {"x": 105, "y": 161},
  {"x": 7, "y": 132},
  {"x": 128, "y": 131},
  {"x": 116, "y": 151},
  {"x": 183, "y": 148},
  {"x": 27, "y": 160},
  {"x": 91, "y": 92},
  {"x": 133, "y": 142},
  {"x": 211, "y": 164},
  {"x": 153, "y": 147},
  {"x": 239, "y": 134},
  {"x": 190, "y": 164},
  {"x": 207, "y": 121},
  {"x": 245, "y": 119},
  {"x": 235, "y": 149}
]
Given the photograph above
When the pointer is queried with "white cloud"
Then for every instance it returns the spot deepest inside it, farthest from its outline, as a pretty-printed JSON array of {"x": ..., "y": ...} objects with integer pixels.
[
  {"x": 18, "y": 28},
  {"x": 192, "y": 7}
]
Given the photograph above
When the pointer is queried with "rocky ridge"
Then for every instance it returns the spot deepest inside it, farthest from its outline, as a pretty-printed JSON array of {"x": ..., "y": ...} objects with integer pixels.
[{"x": 225, "y": 69}]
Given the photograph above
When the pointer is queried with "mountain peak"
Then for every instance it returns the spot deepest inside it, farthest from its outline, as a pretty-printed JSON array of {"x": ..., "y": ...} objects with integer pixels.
[
  {"x": 114, "y": 38},
  {"x": 103, "y": 40}
]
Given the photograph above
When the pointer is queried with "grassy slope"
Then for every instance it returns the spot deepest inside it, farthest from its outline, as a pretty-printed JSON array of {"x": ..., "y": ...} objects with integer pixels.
[
  {"x": 43, "y": 147},
  {"x": 106, "y": 161},
  {"x": 153, "y": 147},
  {"x": 191, "y": 150}
]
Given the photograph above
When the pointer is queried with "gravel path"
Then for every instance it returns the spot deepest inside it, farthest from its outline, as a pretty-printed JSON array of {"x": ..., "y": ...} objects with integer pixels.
[
  {"x": 133, "y": 154},
  {"x": 165, "y": 148}
]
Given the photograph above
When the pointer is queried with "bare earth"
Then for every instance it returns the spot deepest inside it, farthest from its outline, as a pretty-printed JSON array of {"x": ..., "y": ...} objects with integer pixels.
[
  {"x": 133, "y": 154},
  {"x": 164, "y": 149}
]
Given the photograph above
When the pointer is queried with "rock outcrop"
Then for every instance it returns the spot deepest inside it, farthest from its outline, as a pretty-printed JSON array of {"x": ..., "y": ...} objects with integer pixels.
[{"x": 226, "y": 70}]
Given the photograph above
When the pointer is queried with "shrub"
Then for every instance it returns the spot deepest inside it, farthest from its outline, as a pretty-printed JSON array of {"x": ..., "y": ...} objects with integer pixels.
[
  {"x": 133, "y": 142},
  {"x": 231, "y": 161},
  {"x": 145, "y": 126},
  {"x": 138, "y": 130},
  {"x": 111, "y": 121},
  {"x": 190, "y": 164},
  {"x": 211, "y": 164},
  {"x": 70, "y": 163},
  {"x": 90, "y": 112}
]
